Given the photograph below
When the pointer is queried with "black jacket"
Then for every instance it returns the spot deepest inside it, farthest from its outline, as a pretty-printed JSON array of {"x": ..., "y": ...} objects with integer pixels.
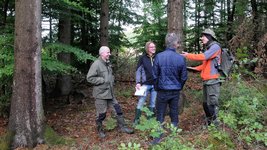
[{"x": 144, "y": 70}]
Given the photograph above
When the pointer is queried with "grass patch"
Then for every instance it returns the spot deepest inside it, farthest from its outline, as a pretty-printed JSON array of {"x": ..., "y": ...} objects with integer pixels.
[
  {"x": 5, "y": 141},
  {"x": 111, "y": 123},
  {"x": 52, "y": 138}
]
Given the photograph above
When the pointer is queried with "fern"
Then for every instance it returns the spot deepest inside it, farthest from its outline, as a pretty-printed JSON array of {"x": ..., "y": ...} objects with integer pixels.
[{"x": 56, "y": 48}]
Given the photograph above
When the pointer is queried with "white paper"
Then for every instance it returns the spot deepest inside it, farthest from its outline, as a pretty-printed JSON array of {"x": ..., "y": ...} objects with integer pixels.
[{"x": 141, "y": 91}]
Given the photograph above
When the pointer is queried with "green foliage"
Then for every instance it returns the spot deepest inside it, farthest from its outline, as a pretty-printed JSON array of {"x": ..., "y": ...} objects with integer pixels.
[
  {"x": 243, "y": 109},
  {"x": 154, "y": 26},
  {"x": 73, "y": 5},
  {"x": 173, "y": 143},
  {"x": 149, "y": 126},
  {"x": 6, "y": 71},
  {"x": 152, "y": 128},
  {"x": 241, "y": 7},
  {"x": 6, "y": 56},
  {"x": 55, "y": 66},
  {"x": 49, "y": 64},
  {"x": 246, "y": 63},
  {"x": 52, "y": 49},
  {"x": 219, "y": 139},
  {"x": 195, "y": 94},
  {"x": 111, "y": 123},
  {"x": 123, "y": 14},
  {"x": 52, "y": 138},
  {"x": 127, "y": 93},
  {"x": 5, "y": 141},
  {"x": 241, "y": 53},
  {"x": 59, "y": 8}
]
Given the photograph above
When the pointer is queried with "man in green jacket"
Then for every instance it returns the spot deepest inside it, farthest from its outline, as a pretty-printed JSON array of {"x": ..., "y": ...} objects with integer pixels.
[{"x": 101, "y": 76}]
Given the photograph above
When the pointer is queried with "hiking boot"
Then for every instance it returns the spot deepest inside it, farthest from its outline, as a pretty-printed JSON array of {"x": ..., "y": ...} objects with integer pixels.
[
  {"x": 137, "y": 117},
  {"x": 100, "y": 130},
  {"x": 152, "y": 109},
  {"x": 156, "y": 140},
  {"x": 122, "y": 125},
  {"x": 216, "y": 122}
]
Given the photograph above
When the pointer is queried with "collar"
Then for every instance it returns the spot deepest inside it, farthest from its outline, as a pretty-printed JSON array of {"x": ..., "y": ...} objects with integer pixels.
[
  {"x": 171, "y": 49},
  {"x": 103, "y": 61},
  {"x": 149, "y": 55}
]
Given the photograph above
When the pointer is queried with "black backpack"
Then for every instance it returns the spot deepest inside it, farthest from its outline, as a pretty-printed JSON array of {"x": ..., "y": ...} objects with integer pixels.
[{"x": 225, "y": 65}]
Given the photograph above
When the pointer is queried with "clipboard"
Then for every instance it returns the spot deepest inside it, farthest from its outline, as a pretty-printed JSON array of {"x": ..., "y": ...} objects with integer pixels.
[{"x": 141, "y": 91}]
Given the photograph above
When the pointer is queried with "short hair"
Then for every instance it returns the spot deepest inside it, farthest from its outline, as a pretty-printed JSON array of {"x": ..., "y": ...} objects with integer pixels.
[
  {"x": 102, "y": 49},
  {"x": 147, "y": 45},
  {"x": 171, "y": 39}
]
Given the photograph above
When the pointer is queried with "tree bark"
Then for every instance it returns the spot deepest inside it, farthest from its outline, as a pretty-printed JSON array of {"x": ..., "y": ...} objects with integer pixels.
[
  {"x": 230, "y": 19},
  {"x": 256, "y": 29},
  {"x": 64, "y": 84},
  {"x": 104, "y": 17},
  {"x": 197, "y": 24},
  {"x": 84, "y": 34},
  {"x": 175, "y": 19},
  {"x": 26, "y": 122}
]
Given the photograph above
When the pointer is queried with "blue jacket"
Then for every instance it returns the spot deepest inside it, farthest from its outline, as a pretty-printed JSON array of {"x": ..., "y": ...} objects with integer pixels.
[
  {"x": 169, "y": 70},
  {"x": 143, "y": 73}
]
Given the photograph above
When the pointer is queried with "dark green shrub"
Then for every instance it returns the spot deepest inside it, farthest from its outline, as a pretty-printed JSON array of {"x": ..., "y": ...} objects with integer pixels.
[
  {"x": 242, "y": 109},
  {"x": 50, "y": 65}
]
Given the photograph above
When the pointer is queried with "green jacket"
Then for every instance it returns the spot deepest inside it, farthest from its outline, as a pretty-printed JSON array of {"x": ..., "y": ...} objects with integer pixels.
[{"x": 100, "y": 75}]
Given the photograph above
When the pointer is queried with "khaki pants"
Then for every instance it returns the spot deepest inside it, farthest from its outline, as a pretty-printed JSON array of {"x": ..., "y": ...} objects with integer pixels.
[{"x": 102, "y": 105}]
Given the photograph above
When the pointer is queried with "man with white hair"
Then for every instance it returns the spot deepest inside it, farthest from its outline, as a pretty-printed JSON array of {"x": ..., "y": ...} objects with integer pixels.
[{"x": 101, "y": 76}]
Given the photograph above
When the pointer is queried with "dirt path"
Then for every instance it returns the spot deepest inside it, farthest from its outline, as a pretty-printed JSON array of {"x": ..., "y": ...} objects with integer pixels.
[{"x": 78, "y": 121}]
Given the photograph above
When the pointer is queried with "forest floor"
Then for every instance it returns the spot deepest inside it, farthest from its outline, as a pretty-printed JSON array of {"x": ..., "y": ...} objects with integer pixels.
[{"x": 76, "y": 120}]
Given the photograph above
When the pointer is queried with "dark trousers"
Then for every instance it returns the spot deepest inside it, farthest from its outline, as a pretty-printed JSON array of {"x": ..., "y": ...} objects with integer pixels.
[
  {"x": 211, "y": 94},
  {"x": 165, "y": 98}
]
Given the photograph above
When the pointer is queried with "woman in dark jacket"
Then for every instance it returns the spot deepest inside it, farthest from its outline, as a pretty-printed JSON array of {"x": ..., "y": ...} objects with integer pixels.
[{"x": 144, "y": 78}]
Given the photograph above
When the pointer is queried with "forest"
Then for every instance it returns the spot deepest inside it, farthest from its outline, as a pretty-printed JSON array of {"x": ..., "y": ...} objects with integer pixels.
[{"x": 48, "y": 46}]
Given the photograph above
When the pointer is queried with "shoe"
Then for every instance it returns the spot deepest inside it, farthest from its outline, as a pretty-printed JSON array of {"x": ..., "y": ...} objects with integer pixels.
[
  {"x": 123, "y": 127},
  {"x": 156, "y": 140},
  {"x": 100, "y": 130},
  {"x": 137, "y": 117}
]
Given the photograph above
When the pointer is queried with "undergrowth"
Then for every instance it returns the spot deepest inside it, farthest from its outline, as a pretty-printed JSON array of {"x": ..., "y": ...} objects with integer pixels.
[
  {"x": 52, "y": 138},
  {"x": 242, "y": 109}
]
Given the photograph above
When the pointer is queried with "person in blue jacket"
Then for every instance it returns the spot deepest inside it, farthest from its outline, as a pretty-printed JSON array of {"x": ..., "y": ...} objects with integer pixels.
[{"x": 170, "y": 75}]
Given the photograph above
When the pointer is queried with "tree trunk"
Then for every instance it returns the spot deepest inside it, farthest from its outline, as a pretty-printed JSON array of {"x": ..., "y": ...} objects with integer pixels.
[
  {"x": 256, "y": 29},
  {"x": 4, "y": 13},
  {"x": 26, "y": 122},
  {"x": 84, "y": 34},
  {"x": 64, "y": 84},
  {"x": 197, "y": 24},
  {"x": 104, "y": 17},
  {"x": 175, "y": 19},
  {"x": 230, "y": 19}
]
